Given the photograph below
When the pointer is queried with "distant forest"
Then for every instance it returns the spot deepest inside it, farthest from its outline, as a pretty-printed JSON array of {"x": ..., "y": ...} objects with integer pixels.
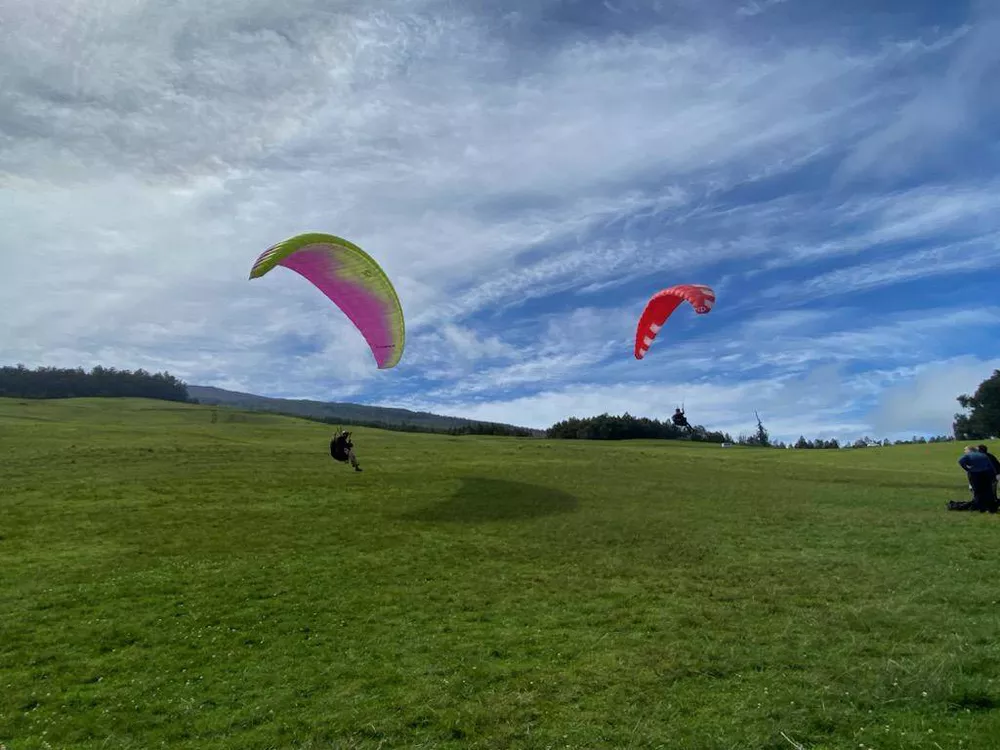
[
  {"x": 627, "y": 427},
  {"x": 55, "y": 382},
  {"x": 473, "y": 428}
]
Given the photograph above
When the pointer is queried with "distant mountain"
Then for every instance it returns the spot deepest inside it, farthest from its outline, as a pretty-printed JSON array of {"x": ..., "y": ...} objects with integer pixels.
[{"x": 346, "y": 413}]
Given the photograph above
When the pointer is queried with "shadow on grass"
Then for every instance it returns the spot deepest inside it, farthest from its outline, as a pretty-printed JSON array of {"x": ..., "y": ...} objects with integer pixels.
[{"x": 480, "y": 499}]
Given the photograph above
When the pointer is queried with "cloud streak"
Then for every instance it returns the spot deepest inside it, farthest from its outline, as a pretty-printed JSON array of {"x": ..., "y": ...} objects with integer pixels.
[{"x": 528, "y": 176}]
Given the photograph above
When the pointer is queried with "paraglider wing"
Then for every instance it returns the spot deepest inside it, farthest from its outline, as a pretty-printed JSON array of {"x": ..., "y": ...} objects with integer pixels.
[
  {"x": 660, "y": 307},
  {"x": 352, "y": 280}
]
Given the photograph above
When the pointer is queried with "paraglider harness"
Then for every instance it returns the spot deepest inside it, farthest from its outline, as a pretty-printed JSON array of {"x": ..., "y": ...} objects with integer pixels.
[
  {"x": 680, "y": 420},
  {"x": 340, "y": 446}
]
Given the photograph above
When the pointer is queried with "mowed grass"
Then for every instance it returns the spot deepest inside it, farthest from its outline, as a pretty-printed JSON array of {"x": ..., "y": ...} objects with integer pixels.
[{"x": 170, "y": 582}]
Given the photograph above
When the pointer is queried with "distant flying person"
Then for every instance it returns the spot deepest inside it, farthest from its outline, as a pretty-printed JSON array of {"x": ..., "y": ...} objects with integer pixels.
[{"x": 679, "y": 419}]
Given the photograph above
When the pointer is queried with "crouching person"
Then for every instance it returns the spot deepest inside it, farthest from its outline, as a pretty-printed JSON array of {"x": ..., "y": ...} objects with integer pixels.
[{"x": 981, "y": 478}]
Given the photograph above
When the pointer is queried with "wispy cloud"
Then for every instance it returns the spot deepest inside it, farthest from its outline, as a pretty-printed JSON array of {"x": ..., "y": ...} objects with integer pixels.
[
  {"x": 871, "y": 223},
  {"x": 828, "y": 370},
  {"x": 527, "y": 175},
  {"x": 972, "y": 256},
  {"x": 788, "y": 406},
  {"x": 756, "y": 7},
  {"x": 926, "y": 402},
  {"x": 945, "y": 112}
]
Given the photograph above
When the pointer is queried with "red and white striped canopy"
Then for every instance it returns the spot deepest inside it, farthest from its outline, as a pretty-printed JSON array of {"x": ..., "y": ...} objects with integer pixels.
[{"x": 662, "y": 304}]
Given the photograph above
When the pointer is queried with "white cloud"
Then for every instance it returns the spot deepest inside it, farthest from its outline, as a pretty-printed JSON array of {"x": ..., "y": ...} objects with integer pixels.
[
  {"x": 726, "y": 407},
  {"x": 548, "y": 349},
  {"x": 946, "y": 213},
  {"x": 148, "y": 154},
  {"x": 972, "y": 256},
  {"x": 926, "y": 401},
  {"x": 942, "y": 109},
  {"x": 803, "y": 378},
  {"x": 756, "y": 7},
  {"x": 793, "y": 342},
  {"x": 824, "y": 402}
]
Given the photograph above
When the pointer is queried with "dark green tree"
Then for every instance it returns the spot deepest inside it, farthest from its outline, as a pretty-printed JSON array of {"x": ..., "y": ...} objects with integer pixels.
[
  {"x": 629, "y": 427},
  {"x": 760, "y": 437},
  {"x": 983, "y": 419},
  {"x": 55, "y": 382}
]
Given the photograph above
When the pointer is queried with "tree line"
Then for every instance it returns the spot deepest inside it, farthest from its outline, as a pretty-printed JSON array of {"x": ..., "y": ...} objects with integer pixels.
[
  {"x": 982, "y": 420},
  {"x": 58, "y": 382},
  {"x": 109, "y": 382},
  {"x": 628, "y": 427},
  {"x": 866, "y": 442},
  {"x": 472, "y": 428}
]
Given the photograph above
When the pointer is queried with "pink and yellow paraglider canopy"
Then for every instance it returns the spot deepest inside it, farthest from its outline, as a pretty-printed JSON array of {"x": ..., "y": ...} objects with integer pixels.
[
  {"x": 352, "y": 280},
  {"x": 662, "y": 304}
]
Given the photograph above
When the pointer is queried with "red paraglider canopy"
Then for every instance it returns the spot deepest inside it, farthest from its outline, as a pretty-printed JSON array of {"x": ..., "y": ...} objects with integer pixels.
[{"x": 660, "y": 307}]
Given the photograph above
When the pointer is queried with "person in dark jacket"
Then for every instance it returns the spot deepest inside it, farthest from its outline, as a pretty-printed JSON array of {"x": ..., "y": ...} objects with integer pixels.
[
  {"x": 342, "y": 449},
  {"x": 996, "y": 466},
  {"x": 982, "y": 478}
]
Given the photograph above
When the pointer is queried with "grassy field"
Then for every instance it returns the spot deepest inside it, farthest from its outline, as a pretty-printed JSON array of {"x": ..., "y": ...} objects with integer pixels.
[{"x": 166, "y": 581}]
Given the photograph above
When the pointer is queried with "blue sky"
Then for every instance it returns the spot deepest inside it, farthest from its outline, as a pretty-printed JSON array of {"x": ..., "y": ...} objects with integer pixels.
[{"x": 528, "y": 173}]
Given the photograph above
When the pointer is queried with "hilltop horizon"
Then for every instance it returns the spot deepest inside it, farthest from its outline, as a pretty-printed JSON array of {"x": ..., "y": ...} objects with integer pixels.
[{"x": 47, "y": 382}]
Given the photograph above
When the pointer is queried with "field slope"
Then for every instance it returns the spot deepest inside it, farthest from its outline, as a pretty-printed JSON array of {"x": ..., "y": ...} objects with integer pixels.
[
  {"x": 167, "y": 581},
  {"x": 331, "y": 410}
]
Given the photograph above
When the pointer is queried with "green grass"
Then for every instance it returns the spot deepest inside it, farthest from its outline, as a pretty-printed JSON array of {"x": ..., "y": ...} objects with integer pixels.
[{"x": 169, "y": 582}]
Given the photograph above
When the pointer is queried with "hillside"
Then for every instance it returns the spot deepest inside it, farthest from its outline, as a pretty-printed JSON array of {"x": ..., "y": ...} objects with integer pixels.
[
  {"x": 174, "y": 581},
  {"x": 331, "y": 410}
]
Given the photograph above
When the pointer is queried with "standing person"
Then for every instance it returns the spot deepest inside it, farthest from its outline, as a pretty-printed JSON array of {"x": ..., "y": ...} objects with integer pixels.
[
  {"x": 342, "y": 449},
  {"x": 982, "y": 477},
  {"x": 996, "y": 466}
]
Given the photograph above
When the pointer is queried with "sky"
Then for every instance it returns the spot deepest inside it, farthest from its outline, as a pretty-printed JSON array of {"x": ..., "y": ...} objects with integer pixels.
[{"x": 528, "y": 173}]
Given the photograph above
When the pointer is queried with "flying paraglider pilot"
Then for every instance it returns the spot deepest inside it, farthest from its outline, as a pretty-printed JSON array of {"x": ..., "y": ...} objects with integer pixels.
[
  {"x": 679, "y": 419},
  {"x": 342, "y": 449}
]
